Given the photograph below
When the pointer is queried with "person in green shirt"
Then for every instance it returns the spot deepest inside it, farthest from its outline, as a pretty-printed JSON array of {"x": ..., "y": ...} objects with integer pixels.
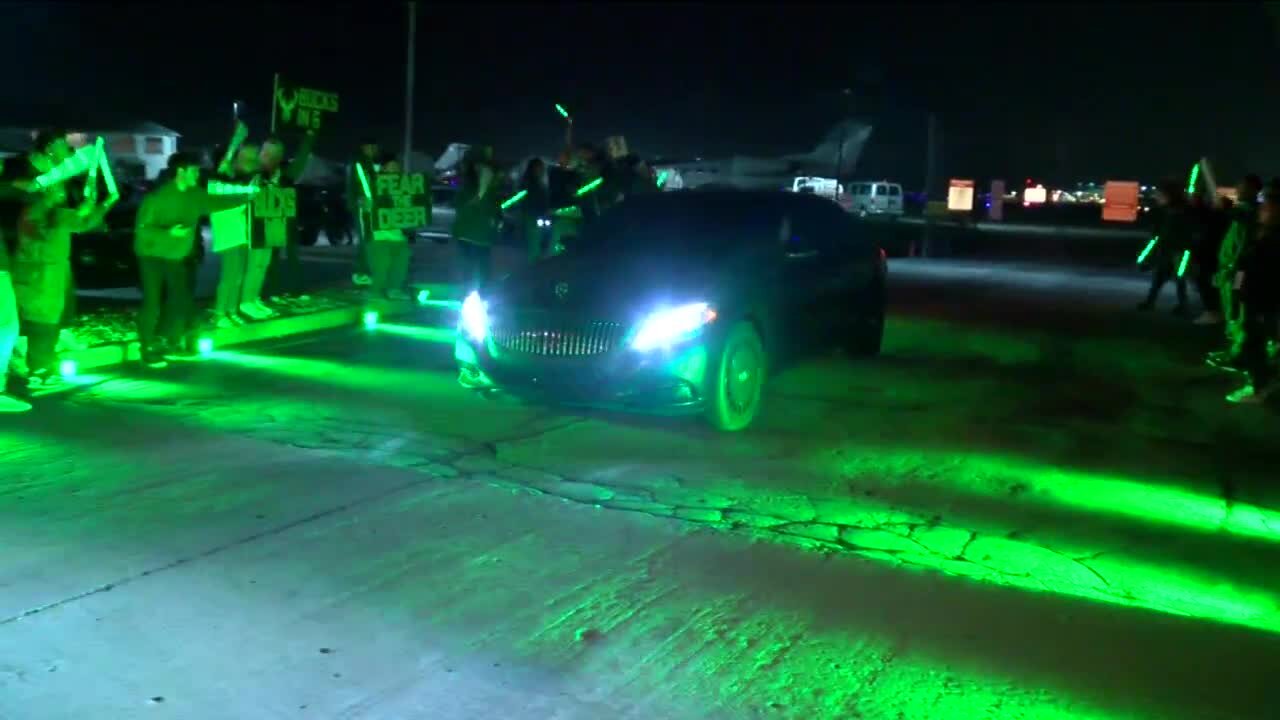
[{"x": 164, "y": 236}]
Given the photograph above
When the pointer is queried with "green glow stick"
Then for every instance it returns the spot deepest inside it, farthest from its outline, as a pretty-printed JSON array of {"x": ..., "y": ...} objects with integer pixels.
[
  {"x": 563, "y": 113},
  {"x": 662, "y": 178},
  {"x": 1186, "y": 259},
  {"x": 67, "y": 169},
  {"x": 514, "y": 199},
  {"x": 1191, "y": 181},
  {"x": 91, "y": 187},
  {"x": 108, "y": 177},
  {"x": 1150, "y": 246},
  {"x": 364, "y": 181},
  {"x": 217, "y": 187},
  {"x": 590, "y": 186}
]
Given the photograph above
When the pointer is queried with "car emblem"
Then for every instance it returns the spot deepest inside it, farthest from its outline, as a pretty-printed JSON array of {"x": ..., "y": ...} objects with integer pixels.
[{"x": 562, "y": 290}]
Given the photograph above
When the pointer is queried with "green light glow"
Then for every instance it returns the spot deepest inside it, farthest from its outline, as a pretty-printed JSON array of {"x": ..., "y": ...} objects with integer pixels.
[
  {"x": 1155, "y": 501},
  {"x": 217, "y": 187},
  {"x": 514, "y": 199},
  {"x": 662, "y": 178},
  {"x": 364, "y": 181},
  {"x": 423, "y": 296},
  {"x": 91, "y": 187},
  {"x": 430, "y": 334},
  {"x": 590, "y": 186},
  {"x": 370, "y": 319},
  {"x": 1186, "y": 260},
  {"x": 67, "y": 368},
  {"x": 108, "y": 177},
  {"x": 1147, "y": 250},
  {"x": 69, "y": 168},
  {"x": 563, "y": 113},
  {"x": 1191, "y": 181},
  {"x": 204, "y": 345},
  {"x": 441, "y": 304}
]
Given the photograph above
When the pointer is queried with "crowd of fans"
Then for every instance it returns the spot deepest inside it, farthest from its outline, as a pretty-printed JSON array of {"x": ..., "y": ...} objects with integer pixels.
[
  {"x": 37, "y": 287},
  {"x": 1230, "y": 250}
]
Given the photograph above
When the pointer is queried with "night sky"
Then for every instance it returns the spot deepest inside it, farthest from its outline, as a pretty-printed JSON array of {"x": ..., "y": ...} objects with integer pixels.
[{"x": 1053, "y": 92}]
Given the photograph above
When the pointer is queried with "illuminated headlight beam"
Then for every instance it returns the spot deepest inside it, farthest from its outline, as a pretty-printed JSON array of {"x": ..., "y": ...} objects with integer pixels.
[{"x": 668, "y": 326}]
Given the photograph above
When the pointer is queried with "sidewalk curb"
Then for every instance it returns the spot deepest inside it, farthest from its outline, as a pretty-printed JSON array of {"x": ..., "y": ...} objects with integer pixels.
[{"x": 119, "y": 353}]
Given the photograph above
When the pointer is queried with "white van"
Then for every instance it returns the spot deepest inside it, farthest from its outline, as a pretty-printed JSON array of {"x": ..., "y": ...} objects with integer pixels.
[{"x": 875, "y": 198}]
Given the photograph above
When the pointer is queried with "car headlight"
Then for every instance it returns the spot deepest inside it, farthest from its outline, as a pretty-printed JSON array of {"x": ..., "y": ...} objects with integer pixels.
[
  {"x": 668, "y": 326},
  {"x": 474, "y": 318}
]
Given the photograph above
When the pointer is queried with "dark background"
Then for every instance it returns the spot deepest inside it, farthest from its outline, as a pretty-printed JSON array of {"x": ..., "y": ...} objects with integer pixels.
[{"x": 1056, "y": 92}]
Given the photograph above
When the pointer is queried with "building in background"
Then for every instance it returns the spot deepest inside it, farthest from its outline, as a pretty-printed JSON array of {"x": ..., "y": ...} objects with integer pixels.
[{"x": 137, "y": 151}]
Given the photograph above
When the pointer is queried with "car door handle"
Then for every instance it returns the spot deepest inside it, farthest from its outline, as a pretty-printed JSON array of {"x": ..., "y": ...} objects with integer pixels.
[{"x": 802, "y": 255}]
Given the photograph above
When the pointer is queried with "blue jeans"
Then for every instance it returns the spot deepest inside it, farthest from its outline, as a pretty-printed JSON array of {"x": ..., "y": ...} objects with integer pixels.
[{"x": 8, "y": 324}]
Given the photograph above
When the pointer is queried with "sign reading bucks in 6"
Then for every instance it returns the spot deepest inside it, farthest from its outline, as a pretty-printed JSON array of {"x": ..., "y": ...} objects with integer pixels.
[
  {"x": 400, "y": 201},
  {"x": 276, "y": 202},
  {"x": 299, "y": 107}
]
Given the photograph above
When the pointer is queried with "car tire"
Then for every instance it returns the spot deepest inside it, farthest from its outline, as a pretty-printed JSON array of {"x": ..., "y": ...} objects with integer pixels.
[
  {"x": 866, "y": 336},
  {"x": 735, "y": 379}
]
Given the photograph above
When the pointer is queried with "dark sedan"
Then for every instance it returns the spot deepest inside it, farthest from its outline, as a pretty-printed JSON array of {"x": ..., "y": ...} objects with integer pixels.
[{"x": 679, "y": 302}]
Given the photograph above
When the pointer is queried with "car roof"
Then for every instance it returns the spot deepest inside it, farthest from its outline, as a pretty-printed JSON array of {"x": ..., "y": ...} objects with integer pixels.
[{"x": 728, "y": 200}]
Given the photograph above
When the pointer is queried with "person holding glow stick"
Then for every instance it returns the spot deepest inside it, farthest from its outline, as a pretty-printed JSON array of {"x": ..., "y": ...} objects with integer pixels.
[
  {"x": 1257, "y": 280},
  {"x": 1176, "y": 235},
  {"x": 239, "y": 166},
  {"x": 164, "y": 237},
  {"x": 42, "y": 272}
]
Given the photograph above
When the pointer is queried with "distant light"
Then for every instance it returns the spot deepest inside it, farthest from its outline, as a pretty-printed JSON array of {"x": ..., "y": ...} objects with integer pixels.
[
  {"x": 204, "y": 345},
  {"x": 67, "y": 368},
  {"x": 423, "y": 296},
  {"x": 563, "y": 113},
  {"x": 371, "y": 319}
]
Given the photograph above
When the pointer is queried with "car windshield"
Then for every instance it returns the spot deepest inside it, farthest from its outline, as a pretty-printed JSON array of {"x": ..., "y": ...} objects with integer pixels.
[{"x": 687, "y": 222}]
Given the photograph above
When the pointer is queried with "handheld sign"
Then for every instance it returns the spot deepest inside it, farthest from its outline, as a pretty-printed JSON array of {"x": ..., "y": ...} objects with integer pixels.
[
  {"x": 300, "y": 108},
  {"x": 960, "y": 196},
  {"x": 401, "y": 201},
  {"x": 1120, "y": 201},
  {"x": 276, "y": 202}
]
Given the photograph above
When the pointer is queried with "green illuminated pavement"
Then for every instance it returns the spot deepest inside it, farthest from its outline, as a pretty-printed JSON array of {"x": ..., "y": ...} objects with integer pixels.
[{"x": 1034, "y": 506}]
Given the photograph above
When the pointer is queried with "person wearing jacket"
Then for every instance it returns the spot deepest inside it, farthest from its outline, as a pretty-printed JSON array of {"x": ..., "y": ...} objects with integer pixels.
[
  {"x": 389, "y": 253},
  {"x": 535, "y": 208},
  {"x": 358, "y": 205},
  {"x": 279, "y": 235},
  {"x": 475, "y": 222},
  {"x": 1213, "y": 219},
  {"x": 1244, "y": 221},
  {"x": 231, "y": 234},
  {"x": 1257, "y": 281},
  {"x": 9, "y": 190},
  {"x": 164, "y": 237},
  {"x": 42, "y": 272},
  {"x": 1177, "y": 235}
]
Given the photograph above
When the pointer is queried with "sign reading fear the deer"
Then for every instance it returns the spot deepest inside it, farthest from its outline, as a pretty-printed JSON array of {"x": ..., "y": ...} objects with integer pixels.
[
  {"x": 401, "y": 201},
  {"x": 300, "y": 108}
]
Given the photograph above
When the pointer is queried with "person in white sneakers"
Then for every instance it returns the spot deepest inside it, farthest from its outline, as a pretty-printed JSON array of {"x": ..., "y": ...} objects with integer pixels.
[{"x": 231, "y": 232}]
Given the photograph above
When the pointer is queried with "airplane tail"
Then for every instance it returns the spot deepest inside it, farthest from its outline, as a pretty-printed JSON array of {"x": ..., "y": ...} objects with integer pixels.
[{"x": 842, "y": 144}]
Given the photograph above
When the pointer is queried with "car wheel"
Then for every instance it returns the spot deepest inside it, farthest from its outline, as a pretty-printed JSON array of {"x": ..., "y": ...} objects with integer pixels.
[
  {"x": 735, "y": 379},
  {"x": 866, "y": 336}
]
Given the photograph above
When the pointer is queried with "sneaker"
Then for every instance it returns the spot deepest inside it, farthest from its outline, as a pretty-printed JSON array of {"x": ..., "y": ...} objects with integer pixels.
[
  {"x": 183, "y": 355},
  {"x": 43, "y": 379},
  {"x": 11, "y": 404},
  {"x": 264, "y": 311},
  {"x": 1208, "y": 318},
  {"x": 154, "y": 361},
  {"x": 361, "y": 279},
  {"x": 224, "y": 322},
  {"x": 1247, "y": 395},
  {"x": 253, "y": 311}
]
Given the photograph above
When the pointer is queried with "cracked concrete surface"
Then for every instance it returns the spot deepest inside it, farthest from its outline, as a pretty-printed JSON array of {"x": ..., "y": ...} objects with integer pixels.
[{"x": 852, "y": 557}]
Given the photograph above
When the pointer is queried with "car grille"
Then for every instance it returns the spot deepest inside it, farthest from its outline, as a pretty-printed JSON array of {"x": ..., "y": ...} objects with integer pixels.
[{"x": 559, "y": 338}]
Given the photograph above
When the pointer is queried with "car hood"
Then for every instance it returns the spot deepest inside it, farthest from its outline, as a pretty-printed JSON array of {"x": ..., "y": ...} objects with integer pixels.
[{"x": 605, "y": 286}]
